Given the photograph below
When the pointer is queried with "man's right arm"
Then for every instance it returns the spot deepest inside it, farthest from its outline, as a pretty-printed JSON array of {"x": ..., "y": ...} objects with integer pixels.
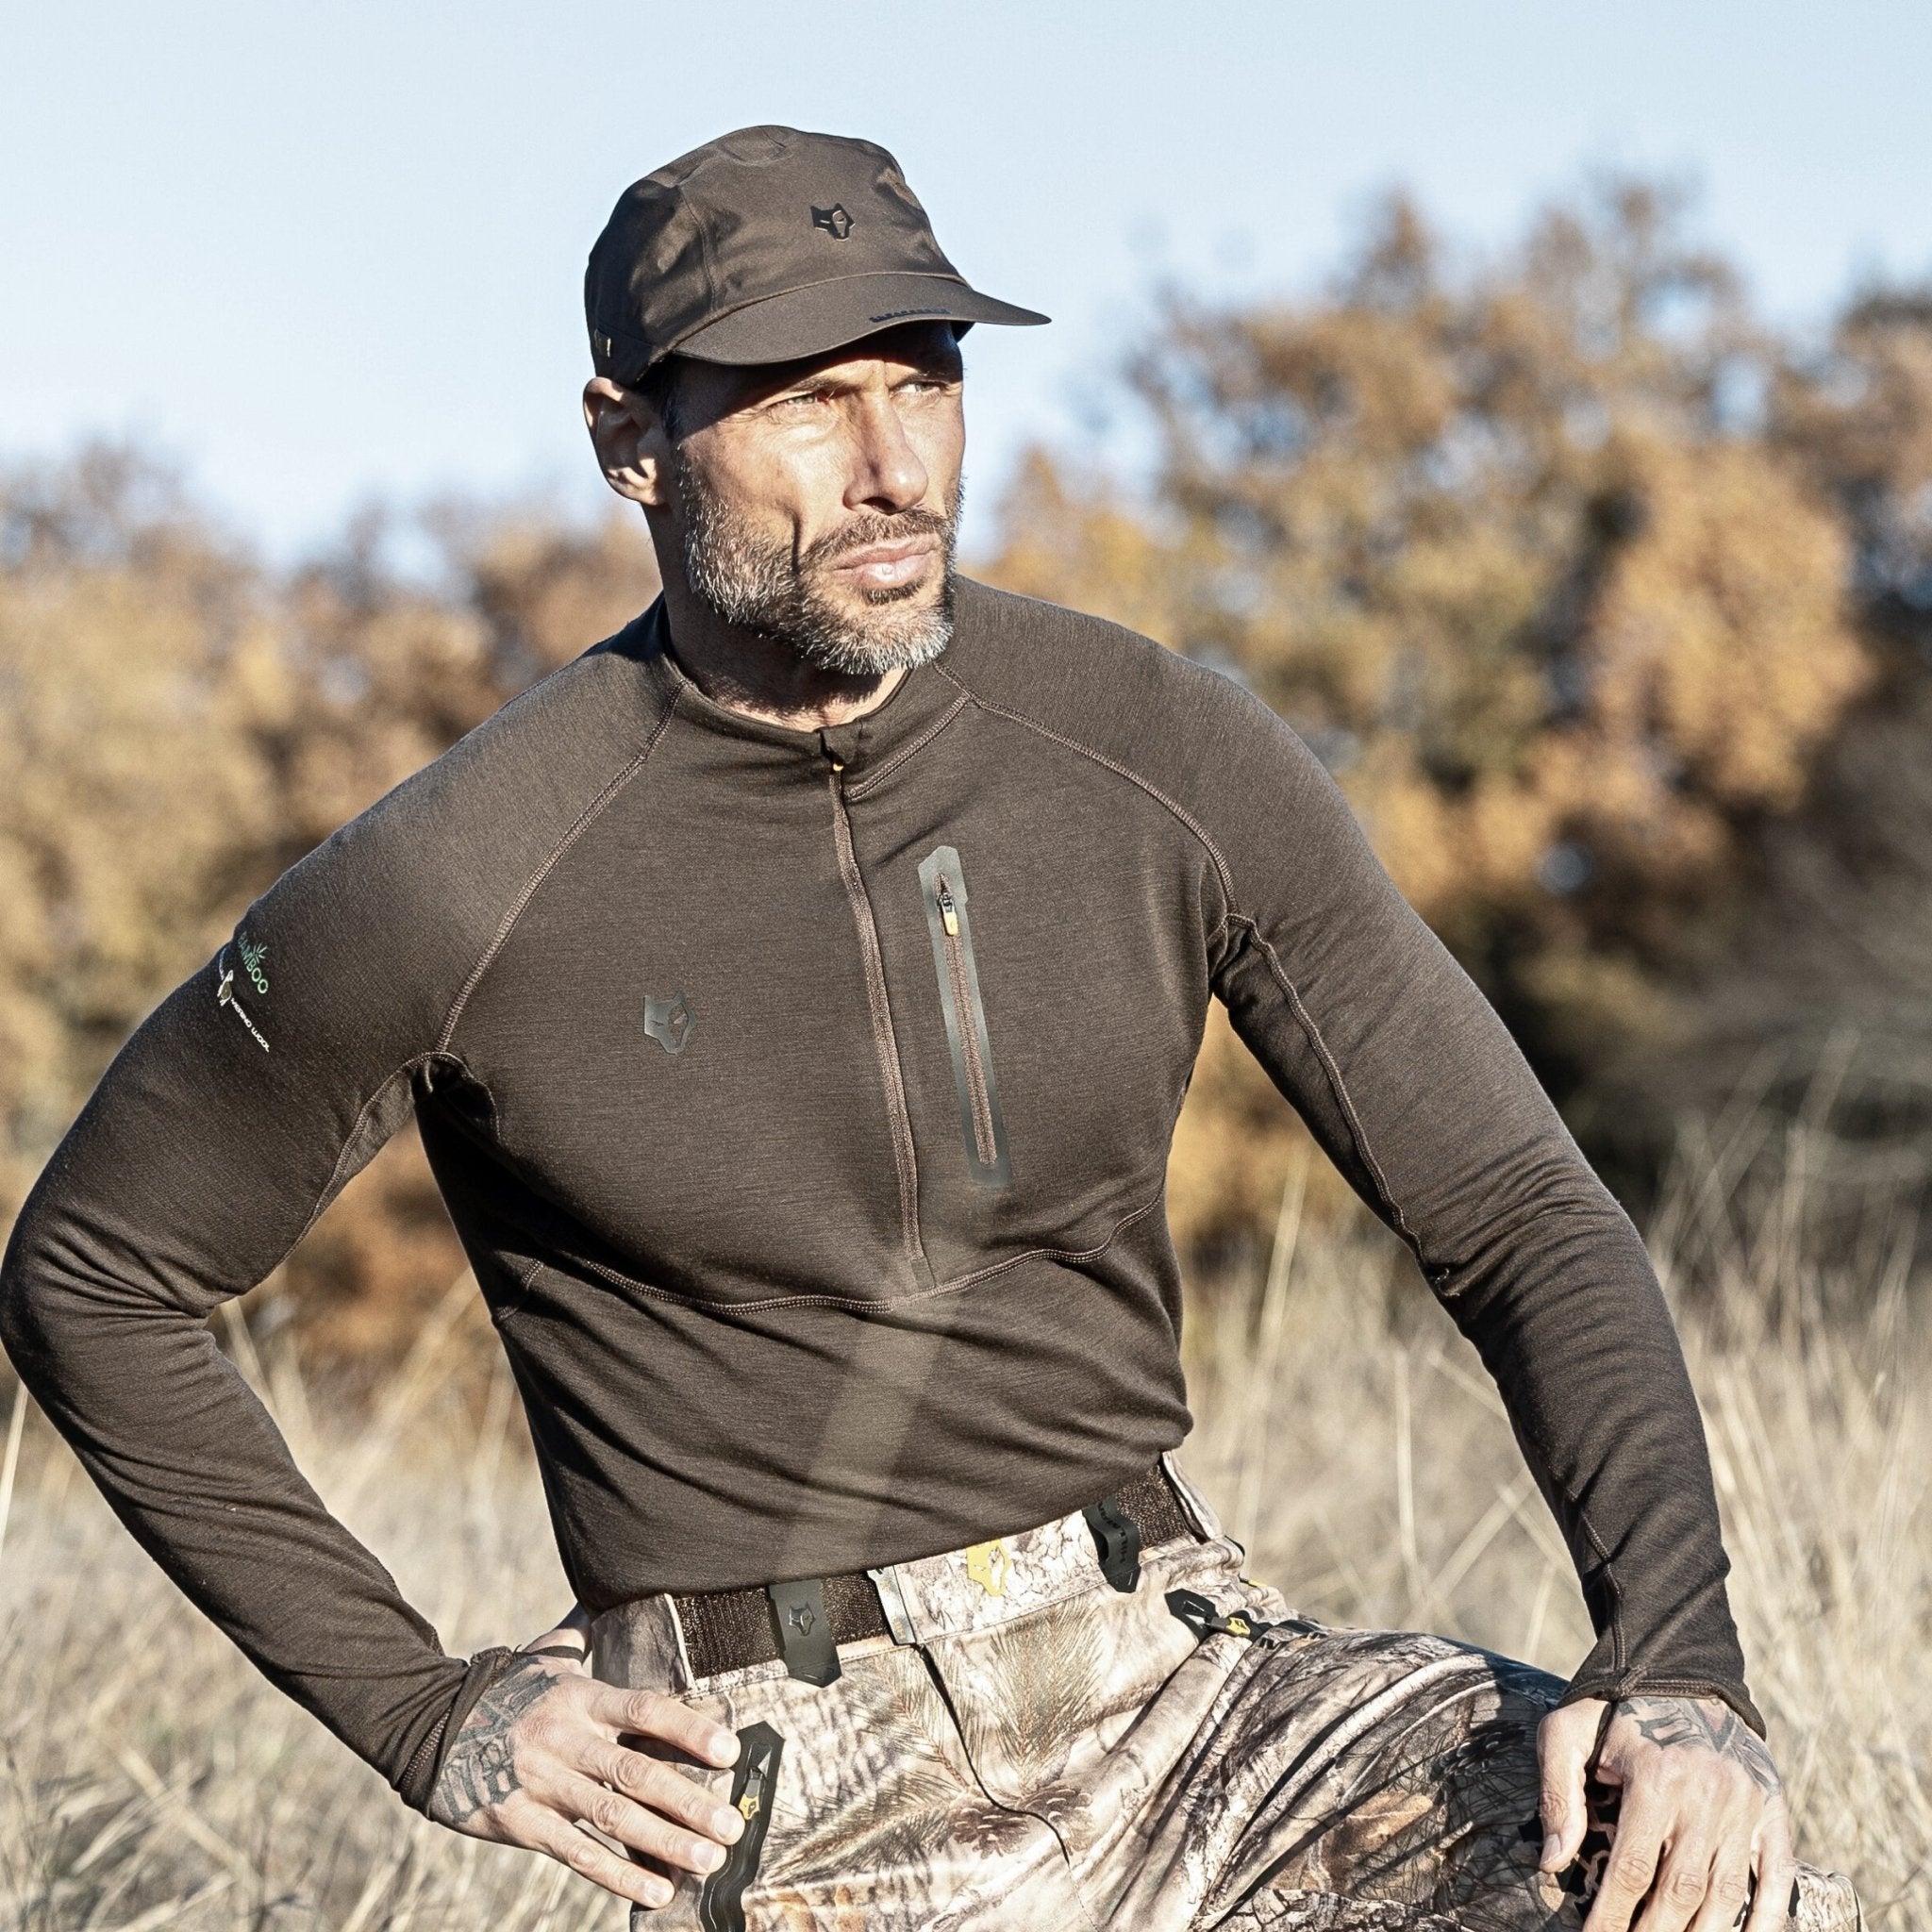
[
  {"x": 225, "y": 1124},
  {"x": 221, "y": 1129}
]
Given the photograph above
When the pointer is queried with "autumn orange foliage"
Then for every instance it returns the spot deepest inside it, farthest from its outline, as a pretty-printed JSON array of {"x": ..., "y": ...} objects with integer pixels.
[
  {"x": 1554, "y": 565},
  {"x": 1609, "y": 609}
]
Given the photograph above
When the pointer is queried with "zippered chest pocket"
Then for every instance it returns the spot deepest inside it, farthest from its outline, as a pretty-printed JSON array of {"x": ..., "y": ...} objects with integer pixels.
[{"x": 942, "y": 880}]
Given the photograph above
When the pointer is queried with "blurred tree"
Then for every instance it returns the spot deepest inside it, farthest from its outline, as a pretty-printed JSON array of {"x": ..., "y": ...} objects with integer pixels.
[
  {"x": 1610, "y": 610},
  {"x": 1514, "y": 554},
  {"x": 176, "y": 726},
  {"x": 1823, "y": 1004},
  {"x": 138, "y": 665}
]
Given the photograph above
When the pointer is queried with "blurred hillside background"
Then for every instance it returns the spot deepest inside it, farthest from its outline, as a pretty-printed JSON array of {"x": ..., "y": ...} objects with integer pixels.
[{"x": 1533, "y": 404}]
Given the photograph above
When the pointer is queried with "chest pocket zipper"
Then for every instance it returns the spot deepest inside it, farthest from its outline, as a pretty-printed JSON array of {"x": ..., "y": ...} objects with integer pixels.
[{"x": 943, "y": 881}]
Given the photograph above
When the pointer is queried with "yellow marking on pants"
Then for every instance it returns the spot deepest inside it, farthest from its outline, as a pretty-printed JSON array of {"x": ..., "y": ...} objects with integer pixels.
[{"x": 990, "y": 1565}]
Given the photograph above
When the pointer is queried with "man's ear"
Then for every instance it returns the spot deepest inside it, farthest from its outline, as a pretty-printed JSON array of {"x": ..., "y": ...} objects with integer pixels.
[{"x": 633, "y": 450}]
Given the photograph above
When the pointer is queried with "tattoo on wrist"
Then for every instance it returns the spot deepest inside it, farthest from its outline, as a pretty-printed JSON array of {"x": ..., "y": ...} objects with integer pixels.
[
  {"x": 480, "y": 1770},
  {"x": 1703, "y": 1724}
]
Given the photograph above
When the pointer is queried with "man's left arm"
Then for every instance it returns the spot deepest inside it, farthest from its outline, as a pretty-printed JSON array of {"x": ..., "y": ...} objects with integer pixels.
[{"x": 1414, "y": 1088}]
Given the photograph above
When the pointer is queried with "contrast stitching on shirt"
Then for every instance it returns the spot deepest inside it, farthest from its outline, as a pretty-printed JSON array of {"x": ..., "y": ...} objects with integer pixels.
[
  {"x": 1642, "y": 1686},
  {"x": 1357, "y": 1133},
  {"x": 426, "y": 1752},
  {"x": 1620, "y": 1655},
  {"x": 579, "y": 826},
  {"x": 1119, "y": 1229},
  {"x": 713, "y": 1306},
  {"x": 1535, "y": 1447},
  {"x": 1301, "y": 1016},
  {"x": 1100, "y": 758},
  {"x": 898, "y": 758},
  {"x": 336, "y": 1181},
  {"x": 524, "y": 1276}
]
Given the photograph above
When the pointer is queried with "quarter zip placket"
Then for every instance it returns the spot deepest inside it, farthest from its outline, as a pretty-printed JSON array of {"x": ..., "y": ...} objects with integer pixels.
[{"x": 885, "y": 1041}]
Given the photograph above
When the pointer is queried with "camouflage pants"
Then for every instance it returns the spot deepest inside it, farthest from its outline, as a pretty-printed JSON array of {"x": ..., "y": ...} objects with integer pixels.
[{"x": 1052, "y": 1753}]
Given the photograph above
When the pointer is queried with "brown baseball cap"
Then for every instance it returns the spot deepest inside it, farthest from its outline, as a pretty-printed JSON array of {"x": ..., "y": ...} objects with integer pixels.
[{"x": 767, "y": 245}]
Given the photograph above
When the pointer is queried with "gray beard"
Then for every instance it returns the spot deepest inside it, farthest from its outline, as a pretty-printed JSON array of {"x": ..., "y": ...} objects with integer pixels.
[{"x": 755, "y": 583}]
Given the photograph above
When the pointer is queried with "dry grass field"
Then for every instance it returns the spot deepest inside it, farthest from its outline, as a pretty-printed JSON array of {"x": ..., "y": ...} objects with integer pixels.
[{"x": 149, "y": 1779}]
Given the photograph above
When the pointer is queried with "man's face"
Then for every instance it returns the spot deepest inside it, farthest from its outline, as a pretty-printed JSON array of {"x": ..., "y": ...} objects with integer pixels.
[{"x": 818, "y": 501}]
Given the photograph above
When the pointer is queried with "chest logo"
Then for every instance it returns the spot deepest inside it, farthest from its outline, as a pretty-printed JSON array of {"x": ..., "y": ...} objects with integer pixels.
[{"x": 670, "y": 1021}]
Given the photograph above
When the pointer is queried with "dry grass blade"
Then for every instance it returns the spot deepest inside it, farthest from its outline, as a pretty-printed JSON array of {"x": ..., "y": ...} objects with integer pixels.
[
  {"x": 167, "y": 1912},
  {"x": 9, "y": 1466},
  {"x": 148, "y": 1780}
]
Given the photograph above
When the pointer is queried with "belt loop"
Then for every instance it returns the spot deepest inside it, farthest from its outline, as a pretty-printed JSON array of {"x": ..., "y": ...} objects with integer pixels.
[
  {"x": 805, "y": 1632},
  {"x": 1118, "y": 1537},
  {"x": 687, "y": 1674},
  {"x": 1207, "y": 1526},
  {"x": 885, "y": 1580}
]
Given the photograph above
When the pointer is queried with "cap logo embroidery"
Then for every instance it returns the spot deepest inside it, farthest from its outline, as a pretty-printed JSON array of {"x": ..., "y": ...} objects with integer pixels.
[
  {"x": 670, "y": 1021},
  {"x": 833, "y": 220}
]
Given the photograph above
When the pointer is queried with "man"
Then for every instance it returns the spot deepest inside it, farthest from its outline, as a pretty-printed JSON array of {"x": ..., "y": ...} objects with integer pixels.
[{"x": 795, "y": 995}]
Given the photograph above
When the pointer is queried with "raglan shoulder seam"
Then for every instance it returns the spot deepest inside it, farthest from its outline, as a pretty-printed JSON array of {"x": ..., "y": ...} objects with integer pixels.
[
  {"x": 1331, "y": 1068},
  {"x": 576, "y": 828},
  {"x": 1297, "y": 1007},
  {"x": 1172, "y": 806}
]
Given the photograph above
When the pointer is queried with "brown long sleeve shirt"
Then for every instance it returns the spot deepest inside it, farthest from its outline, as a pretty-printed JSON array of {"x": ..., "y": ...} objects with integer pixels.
[{"x": 803, "y": 1099}]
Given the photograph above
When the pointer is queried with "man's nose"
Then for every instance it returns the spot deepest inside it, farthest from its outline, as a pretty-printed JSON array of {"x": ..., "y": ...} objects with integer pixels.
[{"x": 888, "y": 474}]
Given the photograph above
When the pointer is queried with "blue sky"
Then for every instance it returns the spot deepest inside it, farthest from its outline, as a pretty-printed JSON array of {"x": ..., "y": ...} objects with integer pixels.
[{"x": 323, "y": 252}]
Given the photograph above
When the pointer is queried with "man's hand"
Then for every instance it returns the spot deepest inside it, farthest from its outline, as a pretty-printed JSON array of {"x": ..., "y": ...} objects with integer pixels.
[
  {"x": 547, "y": 1752},
  {"x": 1701, "y": 1814}
]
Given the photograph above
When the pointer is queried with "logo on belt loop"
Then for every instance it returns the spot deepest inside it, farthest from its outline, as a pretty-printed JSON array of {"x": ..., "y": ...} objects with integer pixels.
[
  {"x": 990, "y": 1565},
  {"x": 805, "y": 1632}
]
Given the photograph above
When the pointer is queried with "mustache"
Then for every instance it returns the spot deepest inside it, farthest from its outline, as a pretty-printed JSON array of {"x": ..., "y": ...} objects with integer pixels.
[{"x": 876, "y": 527}]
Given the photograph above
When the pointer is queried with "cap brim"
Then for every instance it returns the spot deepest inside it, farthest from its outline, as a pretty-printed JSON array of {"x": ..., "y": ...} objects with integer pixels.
[{"x": 827, "y": 315}]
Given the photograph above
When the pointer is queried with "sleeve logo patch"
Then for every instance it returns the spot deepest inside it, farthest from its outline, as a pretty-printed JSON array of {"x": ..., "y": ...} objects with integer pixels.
[{"x": 224, "y": 995}]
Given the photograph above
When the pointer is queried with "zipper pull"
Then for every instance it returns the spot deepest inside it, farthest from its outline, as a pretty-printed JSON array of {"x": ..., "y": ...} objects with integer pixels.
[{"x": 949, "y": 910}]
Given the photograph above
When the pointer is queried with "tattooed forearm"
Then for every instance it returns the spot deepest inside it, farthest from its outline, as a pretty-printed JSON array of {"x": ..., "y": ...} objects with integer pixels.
[
  {"x": 480, "y": 1770},
  {"x": 1671, "y": 1722}
]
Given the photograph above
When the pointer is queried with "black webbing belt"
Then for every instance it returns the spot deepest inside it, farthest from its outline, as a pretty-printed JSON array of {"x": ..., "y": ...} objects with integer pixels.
[{"x": 804, "y": 1623}]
